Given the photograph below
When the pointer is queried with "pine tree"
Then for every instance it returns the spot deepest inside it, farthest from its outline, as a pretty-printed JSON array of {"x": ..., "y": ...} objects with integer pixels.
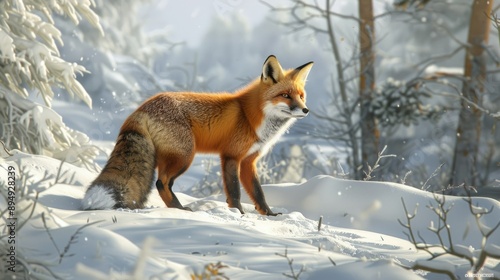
[{"x": 30, "y": 62}]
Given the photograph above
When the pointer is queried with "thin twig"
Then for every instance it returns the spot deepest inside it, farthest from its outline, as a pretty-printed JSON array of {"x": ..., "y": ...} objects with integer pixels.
[
  {"x": 368, "y": 175},
  {"x": 5, "y": 148},
  {"x": 290, "y": 264},
  {"x": 72, "y": 239},
  {"x": 434, "y": 174},
  {"x": 443, "y": 228}
]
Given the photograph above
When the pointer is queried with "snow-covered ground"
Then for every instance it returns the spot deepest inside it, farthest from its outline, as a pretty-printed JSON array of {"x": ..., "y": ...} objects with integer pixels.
[
  {"x": 362, "y": 233},
  {"x": 359, "y": 238}
]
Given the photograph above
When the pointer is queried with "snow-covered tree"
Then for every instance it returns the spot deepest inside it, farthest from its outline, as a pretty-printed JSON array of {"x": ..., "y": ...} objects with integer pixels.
[
  {"x": 120, "y": 22},
  {"x": 30, "y": 62},
  {"x": 123, "y": 65}
]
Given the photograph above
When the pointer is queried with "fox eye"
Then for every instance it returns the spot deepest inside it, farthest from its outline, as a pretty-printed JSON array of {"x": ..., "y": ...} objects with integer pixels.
[{"x": 285, "y": 95}]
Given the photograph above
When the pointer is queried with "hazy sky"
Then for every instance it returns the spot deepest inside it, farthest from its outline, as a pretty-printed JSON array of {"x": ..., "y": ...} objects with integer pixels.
[{"x": 188, "y": 20}]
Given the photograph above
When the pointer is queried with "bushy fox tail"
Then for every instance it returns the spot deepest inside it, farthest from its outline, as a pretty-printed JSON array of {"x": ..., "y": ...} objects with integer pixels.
[{"x": 126, "y": 180}]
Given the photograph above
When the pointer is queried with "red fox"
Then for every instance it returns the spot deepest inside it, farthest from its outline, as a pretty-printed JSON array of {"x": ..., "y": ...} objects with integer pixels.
[{"x": 168, "y": 129}]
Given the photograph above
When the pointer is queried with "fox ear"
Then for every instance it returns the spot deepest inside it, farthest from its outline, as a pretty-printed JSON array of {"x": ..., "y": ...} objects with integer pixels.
[
  {"x": 271, "y": 71},
  {"x": 301, "y": 72}
]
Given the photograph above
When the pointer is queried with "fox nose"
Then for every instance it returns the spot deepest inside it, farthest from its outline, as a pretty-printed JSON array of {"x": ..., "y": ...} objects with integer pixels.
[{"x": 305, "y": 110}]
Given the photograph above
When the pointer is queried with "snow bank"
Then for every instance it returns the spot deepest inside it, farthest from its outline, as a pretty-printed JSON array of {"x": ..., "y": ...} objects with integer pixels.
[{"x": 360, "y": 232}]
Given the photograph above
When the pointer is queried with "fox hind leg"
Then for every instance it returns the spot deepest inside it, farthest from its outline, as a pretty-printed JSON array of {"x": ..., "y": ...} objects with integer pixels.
[
  {"x": 170, "y": 166},
  {"x": 174, "y": 154},
  {"x": 169, "y": 196}
]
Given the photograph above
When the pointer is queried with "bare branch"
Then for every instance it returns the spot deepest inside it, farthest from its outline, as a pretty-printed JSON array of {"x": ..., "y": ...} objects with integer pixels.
[
  {"x": 294, "y": 275},
  {"x": 368, "y": 175},
  {"x": 450, "y": 248}
]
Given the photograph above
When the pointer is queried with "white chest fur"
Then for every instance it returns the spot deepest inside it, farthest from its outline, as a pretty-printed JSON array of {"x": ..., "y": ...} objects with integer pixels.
[{"x": 273, "y": 126}]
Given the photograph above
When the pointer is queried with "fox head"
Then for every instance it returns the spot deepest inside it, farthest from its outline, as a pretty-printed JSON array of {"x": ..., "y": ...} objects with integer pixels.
[{"x": 285, "y": 97}]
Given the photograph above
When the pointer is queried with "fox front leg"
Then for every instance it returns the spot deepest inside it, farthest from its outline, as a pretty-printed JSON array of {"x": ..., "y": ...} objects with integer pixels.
[
  {"x": 230, "y": 171},
  {"x": 250, "y": 181}
]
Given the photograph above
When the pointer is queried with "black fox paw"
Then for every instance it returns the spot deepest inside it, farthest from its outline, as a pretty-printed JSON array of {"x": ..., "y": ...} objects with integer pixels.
[{"x": 271, "y": 213}]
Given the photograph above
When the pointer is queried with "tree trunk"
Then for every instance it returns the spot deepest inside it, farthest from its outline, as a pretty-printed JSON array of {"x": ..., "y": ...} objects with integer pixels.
[
  {"x": 369, "y": 130},
  {"x": 464, "y": 166}
]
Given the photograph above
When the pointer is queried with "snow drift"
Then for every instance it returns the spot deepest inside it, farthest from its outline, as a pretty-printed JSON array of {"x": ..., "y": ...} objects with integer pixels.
[{"x": 359, "y": 238}]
